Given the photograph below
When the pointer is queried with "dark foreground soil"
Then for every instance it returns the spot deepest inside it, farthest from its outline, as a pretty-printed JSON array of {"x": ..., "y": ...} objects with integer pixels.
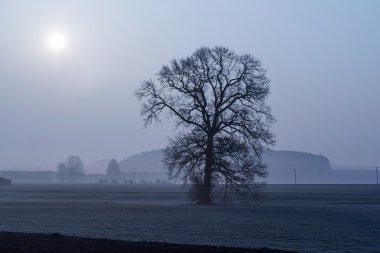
[{"x": 50, "y": 243}]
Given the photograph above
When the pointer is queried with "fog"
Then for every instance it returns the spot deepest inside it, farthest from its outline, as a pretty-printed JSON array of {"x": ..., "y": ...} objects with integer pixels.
[{"x": 321, "y": 57}]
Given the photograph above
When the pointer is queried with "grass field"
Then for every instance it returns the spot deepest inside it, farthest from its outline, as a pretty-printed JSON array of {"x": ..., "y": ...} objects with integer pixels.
[{"x": 308, "y": 218}]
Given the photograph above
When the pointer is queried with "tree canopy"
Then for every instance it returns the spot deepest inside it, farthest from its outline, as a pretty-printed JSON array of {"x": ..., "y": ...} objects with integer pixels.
[{"x": 218, "y": 100}]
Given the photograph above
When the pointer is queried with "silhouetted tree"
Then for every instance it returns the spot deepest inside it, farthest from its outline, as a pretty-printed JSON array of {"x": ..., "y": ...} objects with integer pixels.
[
  {"x": 113, "y": 170},
  {"x": 219, "y": 98},
  {"x": 71, "y": 170}
]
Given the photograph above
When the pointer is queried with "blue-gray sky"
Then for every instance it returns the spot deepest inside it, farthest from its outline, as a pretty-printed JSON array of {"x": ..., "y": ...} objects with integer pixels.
[{"x": 322, "y": 58}]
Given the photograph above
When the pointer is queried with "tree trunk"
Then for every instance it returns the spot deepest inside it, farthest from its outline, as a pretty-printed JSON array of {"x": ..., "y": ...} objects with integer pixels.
[{"x": 205, "y": 193}]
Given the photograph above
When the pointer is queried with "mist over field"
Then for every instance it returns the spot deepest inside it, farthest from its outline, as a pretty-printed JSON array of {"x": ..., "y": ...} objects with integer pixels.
[
  {"x": 147, "y": 167},
  {"x": 335, "y": 218}
]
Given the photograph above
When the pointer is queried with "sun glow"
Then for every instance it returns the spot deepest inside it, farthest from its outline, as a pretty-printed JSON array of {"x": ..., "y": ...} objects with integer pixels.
[{"x": 56, "y": 41}]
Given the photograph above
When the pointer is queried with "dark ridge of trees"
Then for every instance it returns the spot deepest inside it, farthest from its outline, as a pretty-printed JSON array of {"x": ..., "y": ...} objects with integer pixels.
[
  {"x": 276, "y": 161},
  {"x": 297, "y": 160},
  {"x": 145, "y": 161},
  {"x": 72, "y": 170},
  {"x": 219, "y": 98},
  {"x": 310, "y": 168}
]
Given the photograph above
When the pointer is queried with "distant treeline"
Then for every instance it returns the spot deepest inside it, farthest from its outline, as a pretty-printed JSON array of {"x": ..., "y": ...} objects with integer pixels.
[
  {"x": 276, "y": 160},
  {"x": 285, "y": 167}
]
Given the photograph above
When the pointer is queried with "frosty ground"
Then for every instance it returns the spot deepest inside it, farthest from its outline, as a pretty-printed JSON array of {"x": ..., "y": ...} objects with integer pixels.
[{"x": 308, "y": 218}]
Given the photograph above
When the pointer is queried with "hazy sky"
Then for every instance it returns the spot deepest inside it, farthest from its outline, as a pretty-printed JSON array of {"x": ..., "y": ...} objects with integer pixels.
[{"x": 322, "y": 58}]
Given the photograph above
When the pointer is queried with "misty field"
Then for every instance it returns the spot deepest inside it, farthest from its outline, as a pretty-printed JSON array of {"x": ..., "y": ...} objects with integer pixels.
[{"x": 308, "y": 218}]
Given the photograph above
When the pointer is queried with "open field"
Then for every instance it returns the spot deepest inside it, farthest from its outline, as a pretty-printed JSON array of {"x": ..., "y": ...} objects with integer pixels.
[{"x": 307, "y": 218}]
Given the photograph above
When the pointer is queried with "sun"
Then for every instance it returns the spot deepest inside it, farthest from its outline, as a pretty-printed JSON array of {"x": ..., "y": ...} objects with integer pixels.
[{"x": 56, "y": 41}]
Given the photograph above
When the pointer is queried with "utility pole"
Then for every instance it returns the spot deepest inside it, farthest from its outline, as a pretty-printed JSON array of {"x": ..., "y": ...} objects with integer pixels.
[{"x": 295, "y": 176}]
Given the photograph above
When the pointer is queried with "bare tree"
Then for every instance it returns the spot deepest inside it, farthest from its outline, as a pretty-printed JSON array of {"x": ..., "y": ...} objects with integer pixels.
[
  {"x": 219, "y": 98},
  {"x": 71, "y": 170}
]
